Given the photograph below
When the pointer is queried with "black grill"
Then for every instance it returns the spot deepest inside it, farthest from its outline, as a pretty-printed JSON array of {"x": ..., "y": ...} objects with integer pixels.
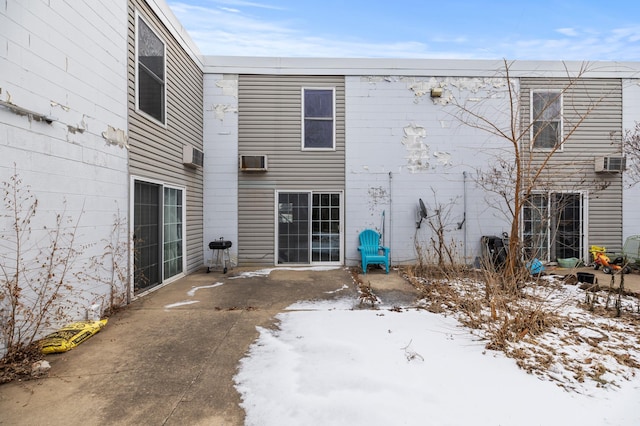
[{"x": 219, "y": 245}]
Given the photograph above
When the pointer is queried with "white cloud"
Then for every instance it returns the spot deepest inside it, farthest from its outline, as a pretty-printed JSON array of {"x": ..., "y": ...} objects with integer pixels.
[
  {"x": 571, "y": 32},
  {"x": 230, "y": 10},
  {"x": 210, "y": 22},
  {"x": 631, "y": 34},
  {"x": 231, "y": 32},
  {"x": 247, "y": 3},
  {"x": 230, "y": 29}
]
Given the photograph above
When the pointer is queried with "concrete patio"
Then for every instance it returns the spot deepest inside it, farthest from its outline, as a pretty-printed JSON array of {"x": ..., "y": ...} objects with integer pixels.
[{"x": 169, "y": 358}]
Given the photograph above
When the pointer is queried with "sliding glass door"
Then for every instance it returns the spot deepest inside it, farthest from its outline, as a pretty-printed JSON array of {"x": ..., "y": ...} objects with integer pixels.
[
  {"x": 553, "y": 225},
  {"x": 309, "y": 227},
  {"x": 158, "y": 218}
]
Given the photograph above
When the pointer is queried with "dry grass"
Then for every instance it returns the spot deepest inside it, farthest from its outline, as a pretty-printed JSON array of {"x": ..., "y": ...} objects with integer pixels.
[
  {"x": 551, "y": 329},
  {"x": 18, "y": 365},
  {"x": 366, "y": 295}
]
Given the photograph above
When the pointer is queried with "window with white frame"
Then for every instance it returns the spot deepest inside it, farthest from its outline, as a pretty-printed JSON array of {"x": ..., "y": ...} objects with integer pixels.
[
  {"x": 546, "y": 119},
  {"x": 318, "y": 118},
  {"x": 150, "y": 71}
]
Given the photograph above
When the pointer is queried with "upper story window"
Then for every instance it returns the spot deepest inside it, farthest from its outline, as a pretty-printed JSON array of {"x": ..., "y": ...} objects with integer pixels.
[
  {"x": 150, "y": 67},
  {"x": 318, "y": 116},
  {"x": 546, "y": 118}
]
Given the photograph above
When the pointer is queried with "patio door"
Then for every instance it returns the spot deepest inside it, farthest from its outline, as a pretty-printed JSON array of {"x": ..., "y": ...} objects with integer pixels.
[
  {"x": 158, "y": 218},
  {"x": 147, "y": 218},
  {"x": 309, "y": 227},
  {"x": 553, "y": 226}
]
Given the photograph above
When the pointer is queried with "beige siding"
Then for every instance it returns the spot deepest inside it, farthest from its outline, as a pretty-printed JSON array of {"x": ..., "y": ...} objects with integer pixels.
[
  {"x": 269, "y": 115},
  {"x": 592, "y": 109},
  {"x": 156, "y": 150}
]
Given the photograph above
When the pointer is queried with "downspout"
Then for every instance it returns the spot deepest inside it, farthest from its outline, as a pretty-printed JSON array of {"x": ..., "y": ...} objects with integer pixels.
[
  {"x": 464, "y": 217},
  {"x": 390, "y": 216}
]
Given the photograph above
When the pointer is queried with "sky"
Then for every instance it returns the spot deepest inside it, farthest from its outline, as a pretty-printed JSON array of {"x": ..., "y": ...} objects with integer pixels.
[
  {"x": 586, "y": 30},
  {"x": 331, "y": 363}
]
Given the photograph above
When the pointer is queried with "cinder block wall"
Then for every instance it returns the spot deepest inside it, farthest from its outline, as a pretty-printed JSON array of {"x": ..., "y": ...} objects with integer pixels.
[
  {"x": 67, "y": 61},
  {"x": 402, "y": 146}
]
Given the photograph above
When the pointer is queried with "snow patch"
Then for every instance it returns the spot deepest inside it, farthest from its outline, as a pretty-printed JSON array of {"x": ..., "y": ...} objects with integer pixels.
[
  {"x": 183, "y": 303},
  {"x": 192, "y": 292}
]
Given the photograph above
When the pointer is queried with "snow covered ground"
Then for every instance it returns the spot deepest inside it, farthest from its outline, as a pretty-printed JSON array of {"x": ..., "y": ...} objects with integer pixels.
[{"x": 330, "y": 363}]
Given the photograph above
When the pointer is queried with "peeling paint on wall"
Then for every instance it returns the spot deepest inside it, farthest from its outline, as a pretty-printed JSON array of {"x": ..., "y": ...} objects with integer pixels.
[
  {"x": 377, "y": 195},
  {"x": 115, "y": 136},
  {"x": 80, "y": 127},
  {"x": 420, "y": 88},
  {"x": 418, "y": 158},
  {"x": 219, "y": 110},
  {"x": 379, "y": 79},
  {"x": 229, "y": 87},
  {"x": 443, "y": 158},
  {"x": 64, "y": 107}
]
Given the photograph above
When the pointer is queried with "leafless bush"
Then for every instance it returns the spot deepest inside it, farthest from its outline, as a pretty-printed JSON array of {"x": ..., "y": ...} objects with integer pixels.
[
  {"x": 483, "y": 302},
  {"x": 534, "y": 324},
  {"x": 366, "y": 294},
  {"x": 38, "y": 271},
  {"x": 439, "y": 255},
  {"x": 111, "y": 268},
  {"x": 631, "y": 149},
  {"x": 35, "y": 272}
]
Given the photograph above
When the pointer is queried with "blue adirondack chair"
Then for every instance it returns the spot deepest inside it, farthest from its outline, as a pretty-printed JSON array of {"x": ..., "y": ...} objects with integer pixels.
[{"x": 371, "y": 251}]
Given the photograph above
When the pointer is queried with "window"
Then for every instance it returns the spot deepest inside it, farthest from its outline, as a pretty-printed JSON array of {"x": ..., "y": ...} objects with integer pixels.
[
  {"x": 546, "y": 118},
  {"x": 150, "y": 66},
  {"x": 318, "y": 127}
]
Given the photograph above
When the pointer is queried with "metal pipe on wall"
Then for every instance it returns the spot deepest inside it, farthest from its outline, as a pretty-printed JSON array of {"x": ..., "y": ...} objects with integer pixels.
[
  {"x": 390, "y": 216},
  {"x": 464, "y": 217}
]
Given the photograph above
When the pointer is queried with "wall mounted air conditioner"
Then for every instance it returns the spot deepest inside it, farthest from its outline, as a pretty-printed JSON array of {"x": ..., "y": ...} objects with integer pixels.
[
  {"x": 253, "y": 163},
  {"x": 615, "y": 164},
  {"x": 192, "y": 156}
]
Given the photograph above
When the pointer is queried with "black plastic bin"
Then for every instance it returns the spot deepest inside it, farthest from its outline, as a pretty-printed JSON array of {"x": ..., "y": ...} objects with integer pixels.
[
  {"x": 586, "y": 277},
  {"x": 494, "y": 251}
]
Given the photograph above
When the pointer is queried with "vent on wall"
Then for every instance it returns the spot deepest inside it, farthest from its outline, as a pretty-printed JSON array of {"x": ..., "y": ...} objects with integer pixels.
[
  {"x": 253, "y": 163},
  {"x": 610, "y": 164},
  {"x": 192, "y": 156}
]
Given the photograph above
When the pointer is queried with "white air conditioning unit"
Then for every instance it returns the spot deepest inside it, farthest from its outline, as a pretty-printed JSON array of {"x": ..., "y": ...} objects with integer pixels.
[
  {"x": 192, "y": 156},
  {"x": 253, "y": 163},
  {"x": 610, "y": 164}
]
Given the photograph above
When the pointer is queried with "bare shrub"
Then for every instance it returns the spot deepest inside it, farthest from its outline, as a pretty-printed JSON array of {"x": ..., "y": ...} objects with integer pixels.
[
  {"x": 366, "y": 294},
  {"x": 35, "y": 275},
  {"x": 631, "y": 149},
  {"x": 38, "y": 271},
  {"x": 111, "y": 268},
  {"x": 482, "y": 302},
  {"x": 538, "y": 325},
  {"x": 439, "y": 256}
]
